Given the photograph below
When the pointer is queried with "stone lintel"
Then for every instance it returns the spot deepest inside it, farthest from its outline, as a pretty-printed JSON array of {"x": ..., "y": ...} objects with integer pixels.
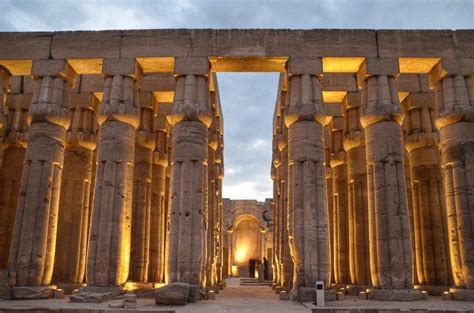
[
  {"x": 339, "y": 81},
  {"x": 92, "y": 83},
  {"x": 377, "y": 67},
  {"x": 147, "y": 100},
  {"x": 19, "y": 100},
  {"x": 83, "y": 100},
  {"x": 409, "y": 83},
  {"x": 333, "y": 109},
  {"x": 451, "y": 67},
  {"x": 419, "y": 100},
  {"x": 123, "y": 67},
  {"x": 56, "y": 68},
  {"x": 301, "y": 66},
  {"x": 352, "y": 100},
  {"x": 192, "y": 66},
  {"x": 337, "y": 123},
  {"x": 158, "y": 82}
]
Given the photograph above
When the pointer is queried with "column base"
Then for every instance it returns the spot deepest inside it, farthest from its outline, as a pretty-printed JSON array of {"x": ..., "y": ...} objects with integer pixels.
[
  {"x": 33, "y": 292},
  {"x": 461, "y": 294},
  {"x": 432, "y": 290},
  {"x": 354, "y": 290},
  {"x": 308, "y": 294},
  {"x": 69, "y": 287},
  {"x": 394, "y": 294}
]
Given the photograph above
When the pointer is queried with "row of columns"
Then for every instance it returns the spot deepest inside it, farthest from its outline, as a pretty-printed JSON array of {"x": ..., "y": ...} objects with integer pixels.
[
  {"x": 368, "y": 232},
  {"x": 123, "y": 190}
]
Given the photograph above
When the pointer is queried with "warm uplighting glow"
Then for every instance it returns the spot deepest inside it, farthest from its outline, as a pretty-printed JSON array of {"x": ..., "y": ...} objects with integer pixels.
[
  {"x": 18, "y": 67},
  {"x": 333, "y": 96},
  {"x": 158, "y": 285},
  {"x": 86, "y": 66},
  {"x": 240, "y": 254},
  {"x": 156, "y": 64},
  {"x": 99, "y": 95},
  {"x": 417, "y": 65},
  {"x": 402, "y": 96},
  {"x": 164, "y": 96},
  {"x": 234, "y": 270},
  {"x": 342, "y": 64},
  {"x": 252, "y": 64}
]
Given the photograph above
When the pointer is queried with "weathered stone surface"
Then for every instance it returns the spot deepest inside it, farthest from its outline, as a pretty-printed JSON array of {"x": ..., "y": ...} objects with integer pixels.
[
  {"x": 40, "y": 292},
  {"x": 462, "y": 294},
  {"x": 394, "y": 295},
  {"x": 91, "y": 297},
  {"x": 308, "y": 294},
  {"x": 173, "y": 294}
]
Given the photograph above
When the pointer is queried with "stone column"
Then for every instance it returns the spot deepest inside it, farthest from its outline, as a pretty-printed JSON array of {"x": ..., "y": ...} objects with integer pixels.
[
  {"x": 219, "y": 160},
  {"x": 212, "y": 206},
  {"x": 141, "y": 201},
  {"x": 190, "y": 117},
  {"x": 230, "y": 249},
  {"x": 389, "y": 224},
  {"x": 429, "y": 212},
  {"x": 307, "y": 207},
  {"x": 354, "y": 145},
  {"x": 34, "y": 235},
  {"x": 15, "y": 138},
  {"x": 108, "y": 257},
  {"x": 4, "y": 82},
  {"x": 329, "y": 192},
  {"x": 454, "y": 84},
  {"x": 158, "y": 215},
  {"x": 340, "y": 210},
  {"x": 73, "y": 219}
]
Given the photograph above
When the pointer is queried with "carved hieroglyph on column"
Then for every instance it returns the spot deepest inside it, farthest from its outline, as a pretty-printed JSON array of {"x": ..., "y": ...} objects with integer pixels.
[
  {"x": 455, "y": 121},
  {"x": 354, "y": 145},
  {"x": 190, "y": 117},
  {"x": 389, "y": 230},
  {"x": 340, "y": 211},
  {"x": 142, "y": 176},
  {"x": 16, "y": 130},
  {"x": 158, "y": 214},
  {"x": 73, "y": 219},
  {"x": 308, "y": 221},
  {"x": 429, "y": 212},
  {"x": 109, "y": 244},
  {"x": 34, "y": 235}
]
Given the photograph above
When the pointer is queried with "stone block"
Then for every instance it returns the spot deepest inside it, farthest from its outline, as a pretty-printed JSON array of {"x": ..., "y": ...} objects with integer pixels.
[
  {"x": 211, "y": 295},
  {"x": 194, "y": 294},
  {"x": 158, "y": 82},
  {"x": 130, "y": 297},
  {"x": 59, "y": 68},
  {"x": 462, "y": 294},
  {"x": 29, "y": 84},
  {"x": 307, "y": 294},
  {"x": 21, "y": 100},
  {"x": 416, "y": 43},
  {"x": 193, "y": 65},
  {"x": 284, "y": 295},
  {"x": 59, "y": 293},
  {"x": 321, "y": 310},
  {"x": 465, "y": 42},
  {"x": 278, "y": 289},
  {"x": 123, "y": 67},
  {"x": 116, "y": 305},
  {"x": 380, "y": 66},
  {"x": 394, "y": 295},
  {"x": 174, "y": 293},
  {"x": 91, "y": 297},
  {"x": 408, "y": 83},
  {"x": 145, "y": 292},
  {"x": 16, "y": 84},
  {"x": 86, "y": 44},
  {"x": 300, "y": 66},
  {"x": 362, "y": 295},
  {"x": 129, "y": 305},
  {"x": 339, "y": 81},
  {"x": 28, "y": 45},
  {"x": 340, "y": 296},
  {"x": 115, "y": 291},
  {"x": 33, "y": 292},
  {"x": 447, "y": 295},
  {"x": 92, "y": 83}
]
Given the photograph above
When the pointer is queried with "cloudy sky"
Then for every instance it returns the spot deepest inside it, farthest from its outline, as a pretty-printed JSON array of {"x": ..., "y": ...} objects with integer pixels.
[{"x": 247, "y": 99}]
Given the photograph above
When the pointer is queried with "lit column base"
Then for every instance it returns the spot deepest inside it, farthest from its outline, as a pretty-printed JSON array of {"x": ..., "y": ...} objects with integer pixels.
[{"x": 461, "y": 294}]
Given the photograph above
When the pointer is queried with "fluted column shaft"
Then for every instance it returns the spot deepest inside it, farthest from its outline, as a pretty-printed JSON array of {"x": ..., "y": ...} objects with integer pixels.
[
  {"x": 455, "y": 121},
  {"x": 34, "y": 235},
  {"x": 340, "y": 208},
  {"x": 307, "y": 207},
  {"x": 73, "y": 219},
  {"x": 354, "y": 145},
  {"x": 190, "y": 117},
  {"x": 389, "y": 230},
  {"x": 15, "y": 138},
  {"x": 110, "y": 235},
  {"x": 158, "y": 214},
  {"x": 429, "y": 212}
]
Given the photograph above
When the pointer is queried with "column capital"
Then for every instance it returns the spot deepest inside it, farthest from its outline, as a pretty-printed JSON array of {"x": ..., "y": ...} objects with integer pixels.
[
  {"x": 302, "y": 66},
  {"x": 54, "y": 68},
  {"x": 16, "y": 129},
  {"x": 145, "y": 134},
  {"x": 337, "y": 156},
  {"x": 447, "y": 67},
  {"x": 377, "y": 67},
  {"x": 192, "y": 66},
  {"x": 5, "y": 76},
  {"x": 122, "y": 67},
  {"x": 84, "y": 123}
]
